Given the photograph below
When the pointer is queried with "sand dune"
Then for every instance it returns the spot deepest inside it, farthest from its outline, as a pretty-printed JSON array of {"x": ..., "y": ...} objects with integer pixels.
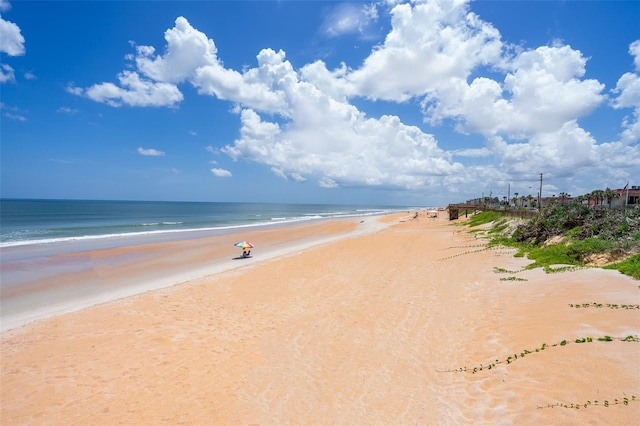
[{"x": 370, "y": 329}]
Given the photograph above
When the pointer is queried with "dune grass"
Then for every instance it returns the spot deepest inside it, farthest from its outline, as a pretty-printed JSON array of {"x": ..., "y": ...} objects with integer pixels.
[
  {"x": 630, "y": 266},
  {"x": 583, "y": 233}
]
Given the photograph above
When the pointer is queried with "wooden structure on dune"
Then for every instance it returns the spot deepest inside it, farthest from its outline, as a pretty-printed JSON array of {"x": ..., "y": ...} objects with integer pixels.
[{"x": 454, "y": 209}]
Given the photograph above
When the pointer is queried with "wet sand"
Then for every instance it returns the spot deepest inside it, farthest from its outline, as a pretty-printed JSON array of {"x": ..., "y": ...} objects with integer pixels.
[
  {"x": 44, "y": 281},
  {"x": 368, "y": 329}
]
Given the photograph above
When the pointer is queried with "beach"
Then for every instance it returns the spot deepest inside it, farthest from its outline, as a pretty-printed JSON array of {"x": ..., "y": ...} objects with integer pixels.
[{"x": 380, "y": 320}]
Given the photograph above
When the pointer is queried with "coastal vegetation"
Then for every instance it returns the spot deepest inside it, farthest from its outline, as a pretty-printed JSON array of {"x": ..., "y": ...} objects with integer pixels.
[
  {"x": 491, "y": 365},
  {"x": 564, "y": 236},
  {"x": 570, "y": 234},
  {"x": 509, "y": 359}
]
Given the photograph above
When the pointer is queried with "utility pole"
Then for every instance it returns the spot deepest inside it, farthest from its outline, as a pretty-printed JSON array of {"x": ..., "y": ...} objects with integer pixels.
[
  {"x": 626, "y": 198},
  {"x": 540, "y": 194}
]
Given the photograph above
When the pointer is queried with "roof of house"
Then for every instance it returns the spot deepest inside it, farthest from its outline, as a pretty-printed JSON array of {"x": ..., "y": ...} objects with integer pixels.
[{"x": 632, "y": 191}]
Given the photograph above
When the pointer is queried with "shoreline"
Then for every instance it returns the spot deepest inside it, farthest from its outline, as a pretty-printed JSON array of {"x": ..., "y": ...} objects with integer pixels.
[
  {"x": 369, "y": 329},
  {"x": 96, "y": 223},
  {"x": 104, "y": 241},
  {"x": 39, "y": 299}
]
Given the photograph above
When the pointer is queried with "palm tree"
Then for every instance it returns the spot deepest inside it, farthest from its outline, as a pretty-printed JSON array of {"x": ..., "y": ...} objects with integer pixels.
[
  {"x": 563, "y": 196},
  {"x": 515, "y": 199},
  {"x": 610, "y": 195},
  {"x": 598, "y": 196}
]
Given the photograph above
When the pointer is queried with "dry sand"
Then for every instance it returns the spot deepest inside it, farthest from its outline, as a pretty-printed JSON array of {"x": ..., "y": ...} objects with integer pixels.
[{"x": 354, "y": 331}]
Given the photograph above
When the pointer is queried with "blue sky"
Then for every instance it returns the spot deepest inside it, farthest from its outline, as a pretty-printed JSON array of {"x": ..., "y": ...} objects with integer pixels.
[{"x": 403, "y": 103}]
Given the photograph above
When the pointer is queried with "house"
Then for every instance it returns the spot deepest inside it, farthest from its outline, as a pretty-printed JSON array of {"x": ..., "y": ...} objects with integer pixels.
[
  {"x": 633, "y": 195},
  {"x": 545, "y": 201}
]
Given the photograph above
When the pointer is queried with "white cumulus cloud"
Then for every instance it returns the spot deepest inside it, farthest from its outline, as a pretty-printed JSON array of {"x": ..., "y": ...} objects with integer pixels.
[
  {"x": 627, "y": 95},
  {"x": 133, "y": 91},
  {"x": 634, "y": 50},
  {"x": 187, "y": 50},
  {"x": 67, "y": 110},
  {"x": 11, "y": 39},
  {"x": 346, "y": 18},
  {"x": 221, "y": 172},
  {"x": 541, "y": 92},
  {"x": 11, "y": 43},
  {"x": 6, "y": 73},
  {"x": 524, "y": 105},
  {"x": 150, "y": 152},
  {"x": 429, "y": 45},
  {"x": 559, "y": 152}
]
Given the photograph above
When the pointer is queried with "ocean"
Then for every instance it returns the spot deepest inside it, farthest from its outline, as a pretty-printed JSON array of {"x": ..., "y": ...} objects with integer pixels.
[
  {"x": 28, "y": 222},
  {"x": 55, "y": 254}
]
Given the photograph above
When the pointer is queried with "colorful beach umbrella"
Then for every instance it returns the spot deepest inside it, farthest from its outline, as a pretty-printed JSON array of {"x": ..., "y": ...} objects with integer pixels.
[{"x": 243, "y": 244}]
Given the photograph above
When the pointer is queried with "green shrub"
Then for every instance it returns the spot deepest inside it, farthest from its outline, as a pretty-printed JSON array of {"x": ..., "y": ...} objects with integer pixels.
[
  {"x": 630, "y": 266},
  {"x": 585, "y": 230},
  {"x": 574, "y": 231},
  {"x": 579, "y": 249},
  {"x": 483, "y": 218},
  {"x": 499, "y": 227},
  {"x": 552, "y": 255}
]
